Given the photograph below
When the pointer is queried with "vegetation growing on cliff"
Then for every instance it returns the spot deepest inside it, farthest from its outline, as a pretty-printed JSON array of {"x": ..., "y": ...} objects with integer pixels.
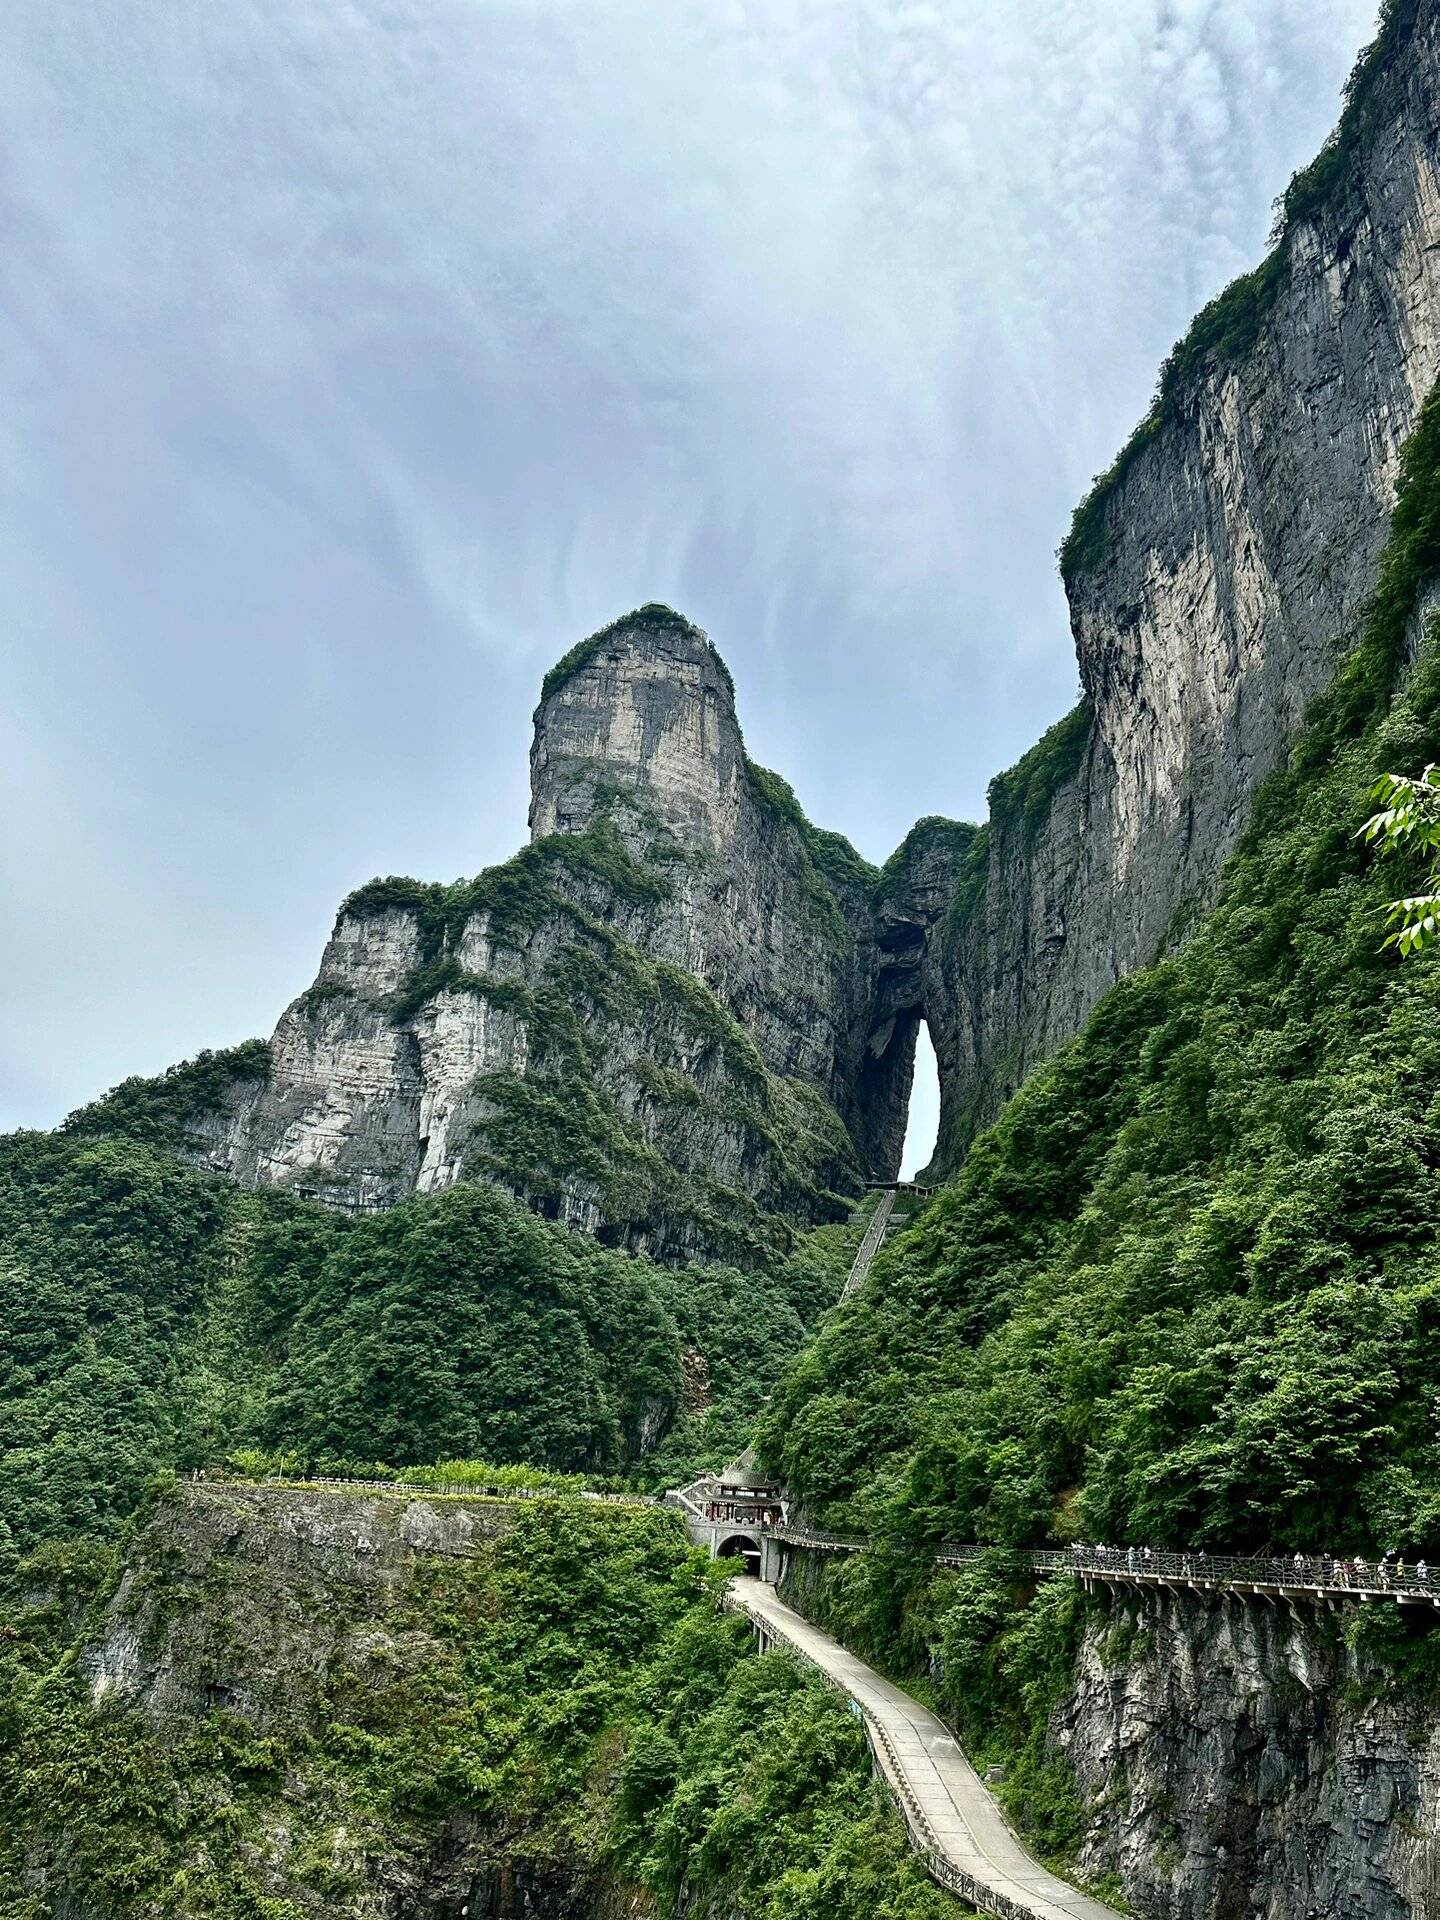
[
  {"x": 932, "y": 844},
  {"x": 163, "y": 1109},
  {"x": 653, "y": 617},
  {"x": 157, "y": 1316},
  {"x": 560, "y": 1699},
  {"x": 982, "y": 1645},
  {"x": 1021, "y": 797},
  {"x": 1225, "y": 331},
  {"x": 1185, "y": 1288},
  {"x": 833, "y": 874},
  {"x": 519, "y": 894}
]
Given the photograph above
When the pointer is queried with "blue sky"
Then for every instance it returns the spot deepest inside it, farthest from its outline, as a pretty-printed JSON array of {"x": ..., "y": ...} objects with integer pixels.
[{"x": 356, "y": 359}]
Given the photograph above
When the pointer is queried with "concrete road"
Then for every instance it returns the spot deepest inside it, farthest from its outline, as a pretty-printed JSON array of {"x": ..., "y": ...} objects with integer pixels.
[{"x": 956, "y": 1813}]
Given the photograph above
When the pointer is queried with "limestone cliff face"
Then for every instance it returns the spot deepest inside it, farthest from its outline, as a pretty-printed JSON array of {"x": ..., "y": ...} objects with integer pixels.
[
  {"x": 683, "y": 1009},
  {"x": 1238, "y": 1759},
  {"x": 1212, "y": 587},
  {"x": 272, "y": 1612},
  {"x": 647, "y": 1023},
  {"x": 772, "y": 915}
]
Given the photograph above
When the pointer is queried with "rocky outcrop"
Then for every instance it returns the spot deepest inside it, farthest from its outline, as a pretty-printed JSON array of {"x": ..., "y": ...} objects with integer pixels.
[
  {"x": 647, "y": 1023},
  {"x": 1214, "y": 579},
  {"x": 1237, "y": 1758},
  {"x": 246, "y": 1623},
  {"x": 683, "y": 1010}
]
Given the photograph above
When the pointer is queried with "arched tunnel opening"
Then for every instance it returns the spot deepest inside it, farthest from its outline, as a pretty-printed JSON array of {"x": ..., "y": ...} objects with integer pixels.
[
  {"x": 922, "y": 1121},
  {"x": 740, "y": 1546}
]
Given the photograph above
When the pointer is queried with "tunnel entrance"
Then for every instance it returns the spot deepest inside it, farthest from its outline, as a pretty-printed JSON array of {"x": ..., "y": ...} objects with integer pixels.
[
  {"x": 740, "y": 1546},
  {"x": 922, "y": 1122}
]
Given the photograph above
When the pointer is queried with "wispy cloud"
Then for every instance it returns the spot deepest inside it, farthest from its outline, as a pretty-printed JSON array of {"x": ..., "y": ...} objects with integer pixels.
[{"x": 357, "y": 358}]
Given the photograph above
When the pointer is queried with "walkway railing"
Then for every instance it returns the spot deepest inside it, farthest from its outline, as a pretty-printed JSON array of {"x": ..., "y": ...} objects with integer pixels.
[
  {"x": 943, "y": 1871},
  {"x": 472, "y": 1489},
  {"x": 870, "y": 1245},
  {"x": 1307, "y": 1575},
  {"x": 690, "y": 1499}
]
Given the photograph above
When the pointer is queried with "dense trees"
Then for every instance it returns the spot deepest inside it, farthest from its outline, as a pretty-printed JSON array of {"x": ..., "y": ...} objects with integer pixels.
[
  {"x": 1187, "y": 1287},
  {"x": 567, "y": 1693},
  {"x": 156, "y": 1316}
]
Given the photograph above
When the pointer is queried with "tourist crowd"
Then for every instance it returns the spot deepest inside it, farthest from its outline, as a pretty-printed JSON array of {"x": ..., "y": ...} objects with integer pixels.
[{"x": 1391, "y": 1570}]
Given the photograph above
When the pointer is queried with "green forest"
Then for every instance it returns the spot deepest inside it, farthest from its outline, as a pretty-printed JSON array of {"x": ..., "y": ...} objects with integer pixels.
[
  {"x": 569, "y": 1693},
  {"x": 1186, "y": 1290},
  {"x": 158, "y": 1317}
]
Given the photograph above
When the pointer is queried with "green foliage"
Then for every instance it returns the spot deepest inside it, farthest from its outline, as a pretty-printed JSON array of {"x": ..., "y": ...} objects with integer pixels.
[
  {"x": 440, "y": 1476},
  {"x": 158, "y": 1317},
  {"x": 1022, "y": 796},
  {"x": 517, "y": 896},
  {"x": 1006, "y": 1658},
  {"x": 1186, "y": 1287},
  {"x": 1361, "y": 691},
  {"x": 464, "y": 1327},
  {"x": 738, "y": 1331},
  {"x": 833, "y": 874},
  {"x": 1408, "y": 823},
  {"x": 653, "y": 617},
  {"x": 563, "y": 1118},
  {"x": 160, "y": 1111},
  {"x": 112, "y": 1296},
  {"x": 931, "y": 843},
  {"x": 566, "y": 1687},
  {"x": 982, "y": 1646},
  {"x": 1226, "y": 331},
  {"x": 765, "y": 1797},
  {"x": 1315, "y": 185}
]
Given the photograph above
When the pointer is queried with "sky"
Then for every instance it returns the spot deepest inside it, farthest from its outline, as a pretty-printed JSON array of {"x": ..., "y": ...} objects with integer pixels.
[{"x": 358, "y": 356}]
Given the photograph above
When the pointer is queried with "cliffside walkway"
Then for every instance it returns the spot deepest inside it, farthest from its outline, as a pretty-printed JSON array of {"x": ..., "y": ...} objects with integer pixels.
[
  {"x": 953, "y": 1821},
  {"x": 869, "y": 1246},
  {"x": 1306, "y": 1577},
  {"x": 883, "y": 1218}
]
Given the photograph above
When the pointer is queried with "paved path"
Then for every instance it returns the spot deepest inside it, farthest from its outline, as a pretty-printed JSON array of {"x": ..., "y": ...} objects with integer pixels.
[{"x": 946, "y": 1806}]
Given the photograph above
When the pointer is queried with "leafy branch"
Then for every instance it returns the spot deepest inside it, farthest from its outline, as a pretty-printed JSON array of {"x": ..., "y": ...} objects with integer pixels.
[{"x": 1408, "y": 821}]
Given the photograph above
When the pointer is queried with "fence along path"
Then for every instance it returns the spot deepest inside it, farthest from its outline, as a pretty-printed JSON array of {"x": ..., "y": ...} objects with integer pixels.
[
  {"x": 954, "y": 1823},
  {"x": 1300, "y": 1577},
  {"x": 870, "y": 1245},
  {"x": 417, "y": 1490}
]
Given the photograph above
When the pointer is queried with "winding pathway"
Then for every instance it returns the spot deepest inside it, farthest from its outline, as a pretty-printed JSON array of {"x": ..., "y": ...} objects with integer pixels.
[{"x": 954, "y": 1821}]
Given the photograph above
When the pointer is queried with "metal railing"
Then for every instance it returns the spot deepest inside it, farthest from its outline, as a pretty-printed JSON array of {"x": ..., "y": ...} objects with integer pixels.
[
  {"x": 943, "y": 1870},
  {"x": 472, "y": 1489},
  {"x": 1301, "y": 1574},
  {"x": 821, "y": 1542},
  {"x": 870, "y": 1245},
  {"x": 690, "y": 1499}
]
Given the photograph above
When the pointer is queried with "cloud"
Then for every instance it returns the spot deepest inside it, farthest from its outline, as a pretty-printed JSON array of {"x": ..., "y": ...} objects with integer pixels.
[{"x": 361, "y": 357}]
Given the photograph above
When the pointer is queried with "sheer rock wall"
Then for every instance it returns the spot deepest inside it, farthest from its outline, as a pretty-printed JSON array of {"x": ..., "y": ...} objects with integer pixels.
[
  {"x": 1236, "y": 1758},
  {"x": 1233, "y": 561}
]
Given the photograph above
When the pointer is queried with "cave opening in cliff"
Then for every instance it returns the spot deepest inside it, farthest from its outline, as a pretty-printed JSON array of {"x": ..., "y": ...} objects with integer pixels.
[{"x": 922, "y": 1124}]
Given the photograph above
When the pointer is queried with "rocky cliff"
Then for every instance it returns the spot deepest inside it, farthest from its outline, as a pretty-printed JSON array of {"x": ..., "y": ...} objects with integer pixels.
[
  {"x": 319, "y": 1701},
  {"x": 1214, "y": 577},
  {"x": 1243, "y": 1757},
  {"x": 683, "y": 1010},
  {"x": 648, "y": 1022}
]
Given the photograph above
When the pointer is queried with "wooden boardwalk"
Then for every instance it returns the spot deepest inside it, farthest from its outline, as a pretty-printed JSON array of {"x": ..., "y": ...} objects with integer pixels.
[{"x": 953, "y": 1820}]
